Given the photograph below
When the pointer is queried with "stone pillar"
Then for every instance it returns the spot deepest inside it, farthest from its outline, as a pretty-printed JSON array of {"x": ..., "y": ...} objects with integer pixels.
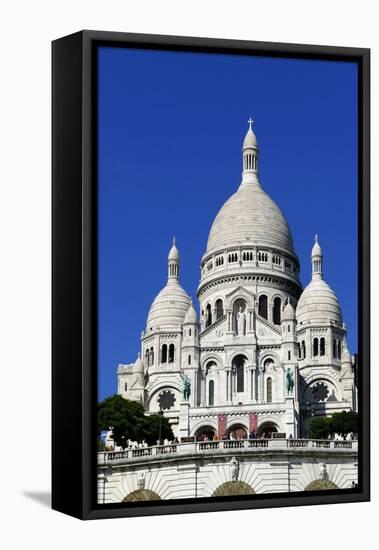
[
  {"x": 184, "y": 419},
  {"x": 253, "y": 388}
]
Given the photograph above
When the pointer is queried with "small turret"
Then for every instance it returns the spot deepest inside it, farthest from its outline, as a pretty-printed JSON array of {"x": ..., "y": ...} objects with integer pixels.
[
  {"x": 173, "y": 261},
  {"x": 250, "y": 154}
]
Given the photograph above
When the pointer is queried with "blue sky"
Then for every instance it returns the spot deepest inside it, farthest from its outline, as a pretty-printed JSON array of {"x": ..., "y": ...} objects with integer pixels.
[{"x": 171, "y": 126}]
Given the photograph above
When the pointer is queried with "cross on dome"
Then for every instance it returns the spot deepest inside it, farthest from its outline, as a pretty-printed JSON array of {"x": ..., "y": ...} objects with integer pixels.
[{"x": 250, "y": 121}]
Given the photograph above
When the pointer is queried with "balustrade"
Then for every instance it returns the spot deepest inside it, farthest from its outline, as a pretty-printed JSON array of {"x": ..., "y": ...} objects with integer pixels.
[{"x": 224, "y": 445}]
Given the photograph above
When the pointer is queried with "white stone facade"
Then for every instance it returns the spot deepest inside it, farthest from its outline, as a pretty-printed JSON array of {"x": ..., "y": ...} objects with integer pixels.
[{"x": 263, "y": 355}]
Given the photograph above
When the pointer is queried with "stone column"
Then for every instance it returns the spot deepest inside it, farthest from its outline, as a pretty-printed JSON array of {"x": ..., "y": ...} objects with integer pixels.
[
  {"x": 184, "y": 419},
  {"x": 253, "y": 388}
]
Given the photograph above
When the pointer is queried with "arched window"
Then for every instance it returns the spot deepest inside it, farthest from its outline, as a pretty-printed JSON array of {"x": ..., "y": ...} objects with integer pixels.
[
  {"x": 189, "y": 359},
  {"x": 303, "y": 349},
  {"x": 269, "y": 390},
  {"x": 276, "y": 311},
  {"x": 208, "y": 316},
  {"x": 211, "y": 393},
  {"x": 239, "y": 364},
  {"x": 219, "y": 309},
  {"x": 315, "y": 347},
  {"x": 151, "y": 356},
  {"x": 322, "y": 346},
  {"x": 164, "y": 354},
  {"x": 289, "y": 355},
  {"x": 299, "y": 350},
  {"x": 262, "y": 306},
  {"x": 339, "y": 349},
  {"x": 147, "y": 355},
  {"x": 126, "y": 387},
  {"x": 334, "y": 348},
  {"x": 171, "y": 353}
]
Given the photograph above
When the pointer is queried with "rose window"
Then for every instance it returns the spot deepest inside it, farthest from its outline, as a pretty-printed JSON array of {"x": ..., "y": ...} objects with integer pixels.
[
  {"x": 320, "y": 391},
  {"x": 166, "y": 400}
]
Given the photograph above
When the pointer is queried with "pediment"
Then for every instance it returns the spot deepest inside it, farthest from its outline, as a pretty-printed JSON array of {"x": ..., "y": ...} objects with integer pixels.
[
  {"x": 240, "y": 292},
  {"x": 265, "y": 331}
]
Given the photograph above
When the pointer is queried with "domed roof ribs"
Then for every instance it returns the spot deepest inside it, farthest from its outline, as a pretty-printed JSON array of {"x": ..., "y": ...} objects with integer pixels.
[{"x": 250, "y": 153}]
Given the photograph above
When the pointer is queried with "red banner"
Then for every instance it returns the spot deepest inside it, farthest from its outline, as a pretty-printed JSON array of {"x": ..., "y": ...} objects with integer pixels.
[
  {"x": 253, "y": 422},
  {"x": 222, "y": 422}
]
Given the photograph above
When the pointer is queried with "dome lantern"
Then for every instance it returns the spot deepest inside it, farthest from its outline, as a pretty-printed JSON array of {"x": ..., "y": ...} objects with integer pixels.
[
  {"x": 173, "y": 261},
  {"x": 250, "y": 157},
  {"x": 316, "y": 260}
]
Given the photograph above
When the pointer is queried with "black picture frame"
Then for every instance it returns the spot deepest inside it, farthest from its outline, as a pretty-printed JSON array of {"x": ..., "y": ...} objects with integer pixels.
[{"x": 74, "y": 272}]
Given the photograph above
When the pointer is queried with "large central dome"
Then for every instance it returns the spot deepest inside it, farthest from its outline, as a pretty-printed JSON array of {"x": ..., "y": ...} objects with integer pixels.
[{"x": 250, "y": 216}]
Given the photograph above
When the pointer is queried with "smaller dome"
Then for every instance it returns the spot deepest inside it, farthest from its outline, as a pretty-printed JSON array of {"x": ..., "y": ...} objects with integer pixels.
[
  {"x": 169, "y": 307},
  {"x": 288, "y": 312},
  {"x": 318, "y": 303},
  {"x": 346, "y": 357},
  {"x": 138, "y": 365},
  {"x": 250, "y": 140},
  {"x": 191, "y": 315},
  {"x": 174, "y": 252}
]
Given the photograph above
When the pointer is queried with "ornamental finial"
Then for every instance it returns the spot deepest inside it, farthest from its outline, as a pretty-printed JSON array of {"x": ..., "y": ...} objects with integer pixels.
[{"x": 316, "y": 238}]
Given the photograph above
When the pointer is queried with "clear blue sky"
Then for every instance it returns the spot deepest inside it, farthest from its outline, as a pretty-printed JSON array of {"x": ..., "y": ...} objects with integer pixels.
[{"x": 171, "y": 127}]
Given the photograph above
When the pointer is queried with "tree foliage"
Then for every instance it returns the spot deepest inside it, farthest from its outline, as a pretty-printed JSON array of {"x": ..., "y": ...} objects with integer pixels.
[
  {"x": 128, "y": 421},
  {"x": 341, "y": 423}
]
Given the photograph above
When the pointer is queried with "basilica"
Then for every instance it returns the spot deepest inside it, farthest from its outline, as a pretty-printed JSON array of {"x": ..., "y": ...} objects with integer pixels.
[{"x": 263, "y": 354}]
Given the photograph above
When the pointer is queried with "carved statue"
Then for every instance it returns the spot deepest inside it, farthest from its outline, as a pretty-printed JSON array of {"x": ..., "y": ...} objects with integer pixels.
[
  {"x": 323, "y": 472},
  {"x": 186, "y": 386},
  {"x": 241, "y": 321},
  {"x": 141, "y": 480},
  {"x": 289, "y": 380},
  {"x": 235, "y": 468}
]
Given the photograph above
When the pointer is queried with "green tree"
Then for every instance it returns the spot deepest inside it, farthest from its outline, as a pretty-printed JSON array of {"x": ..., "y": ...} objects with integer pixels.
[
  {"x": 319, "y": 428},
  {"x": 344, "y": 423},
  {"x": 128, "y": 421},
  {"x": 341, "y": 423}
]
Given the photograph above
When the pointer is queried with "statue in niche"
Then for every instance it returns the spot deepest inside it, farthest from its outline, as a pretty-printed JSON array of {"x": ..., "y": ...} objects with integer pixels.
[{"x": 241, "y": 322}]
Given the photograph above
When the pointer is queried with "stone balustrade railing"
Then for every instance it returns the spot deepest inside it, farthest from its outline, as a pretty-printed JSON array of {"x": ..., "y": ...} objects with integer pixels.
[{"x": 227, "y": 446}]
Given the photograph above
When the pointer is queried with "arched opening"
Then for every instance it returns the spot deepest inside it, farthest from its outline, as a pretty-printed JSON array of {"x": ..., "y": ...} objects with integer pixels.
[
  {"x": 276, "y": 311},
  {"x": 147, "y": 357},
  {"x": 303, "y": 350},
  {"x": 237, "y": 431},
  {"x": 208, "y": 315},
  {"x": 171, "y": 353},
  {"x": 262, "y": 306},
  {"x": 322, "y": 346},
  {"x": 164, "y": 354},
  {"x": 238, "y": 368},
  {"x": 321, "y": 485},
  {"x": 141, "y": 495},
  {"x": 267, "y": 429},
  {"x": 269, "y": 390},
  {"x": 315, "y": 347},
  {"x": 151, "y": 356},
  {"x": 219, "y": 309},
  {"x": 231, "y": 488},
  {"x": 205, "y": 433},
  {"x": 239, "y": 317},
  {"x": 211, "y": 393}
]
